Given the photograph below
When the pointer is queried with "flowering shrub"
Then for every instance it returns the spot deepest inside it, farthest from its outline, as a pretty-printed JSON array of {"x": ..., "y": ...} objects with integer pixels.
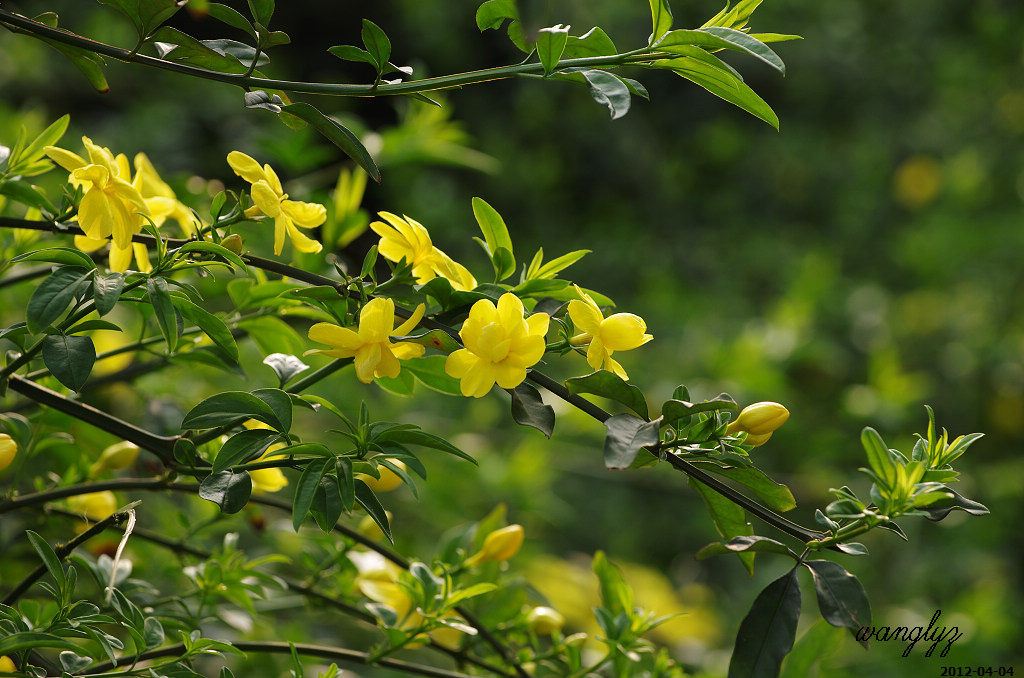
[{"x": 239, "y": 449}]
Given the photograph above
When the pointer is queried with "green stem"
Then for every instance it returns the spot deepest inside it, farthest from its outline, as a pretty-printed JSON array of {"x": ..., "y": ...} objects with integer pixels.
[{"x": 336, "y": 89}]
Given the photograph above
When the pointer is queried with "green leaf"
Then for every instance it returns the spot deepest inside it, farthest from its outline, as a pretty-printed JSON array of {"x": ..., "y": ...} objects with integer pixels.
[
  {"x": 327, "y": 504},
  {"x": 58, "y": 255},
  {"x": 89, "y": 63},
  {"x": 616, "y": 596},
  {"x": 106, "y": 291},
  {"x": 673, "y": 409},
  {"x": 305, "y": 490},
  {"x": 337, "y": 134},
  {"x": 92, "y": 325},
  {"x": 227, "y": 408},
  {"x": 285, "y": 366},
  {"x": 353, "y": 53},
  {"x": 228, "y": 490},
  {"x": 281, "y": 403},
  {"x": 376, "y": 43},
  {"x": 163, "y": 309},
  {"x": 767, "y": 633},
  {"x": 25, "y": 640},
  {"x": 841, "y": 598},
  {"x": 722, "y": 38},
  {"x": 627, "y": 435},
  {"x": 49, "y": 558},
  {"x": 550, "y": 269},
  {"x": 30, "y": 195},
  {"x": 262, "y": 10},
  {"x": 429, "y": 371},
  {"x": 610, "y": 385},
  {"x": 730, "y": 521},
  {"x": 368, "y": 500},
  {"x": 153, "y": 633},
  {"x": 231, "y": 17},
  {"x": 776, "y": 495},
  {"x": 74, "y": 663},
  {"x": 216, "y": 250},
  {"x": 723, "y": 84},
  {"x": 609, "y": 90},
  {"x": 528, "y": 409},
  {"x": 938, "y": 510},
  {"x": 69, "y": 359},
  {"x": 746, "y": 544},
  {"x": 50, "y": 299},
  {"x": 424, "y": 439},
  {"x": 819, "y": 641},
  {"x": 550, "y": 45},
  {"x": 211, "y": 325},
  {"x": 879, "y": 459},
  {"x": 594, "y": 42},
  {"x": 661, "y": 19},
  {"x": 48, "y": 137},
  {"x": 273, "y": 335},
  {"x": 243, "y": 446},
  {"x": 492, "y": 226}
]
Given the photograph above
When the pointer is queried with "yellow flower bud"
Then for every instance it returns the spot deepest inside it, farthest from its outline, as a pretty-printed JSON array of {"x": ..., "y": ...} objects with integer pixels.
[
  {"x": 6, "y": 665},
  {"x": 576, "y": 640},
  {"x": 499, "y": 545},
  {"x": 8, "y": 448},
  {"x": 544, "y": 621},
  {"x": 117, "y": 456},
  {"x": 95, "y": 505},
  {"x": 759, "y": 419},
  {"x": 756, "y": 441},
  {"x": 389, "y": 480},
  {"x": 233, "y": 242}
]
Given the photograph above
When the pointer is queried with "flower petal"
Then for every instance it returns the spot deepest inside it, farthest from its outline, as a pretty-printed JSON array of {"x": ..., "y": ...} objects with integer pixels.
[
  {"x": 412, "y": 321},
  {"x": 300, "y": 240},
  {"x": 404, "y": 350},
  {"x": 120, "y": 258},
  {"x": 336, "y": 336},
  {"x": 624, "y": 331},
  {"x": 377, "y": 320},
  {"x": 245, "y": 167},
  {"x": 66, "y": 159},
  {"x": 367, "y": 358},
  {"x": 459, "y": 363},
  {"x": 586, "y": 317},
  {"x": 266, "y": 199},
  {"x": 304, "y": 214}
]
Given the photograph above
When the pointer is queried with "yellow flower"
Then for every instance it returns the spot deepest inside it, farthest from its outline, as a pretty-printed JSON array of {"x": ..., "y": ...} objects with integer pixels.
[
  {"x": 499, "y": 545},
  {"x": 94, "y": 506},
  {"x": 160, "y": 198},
  {"x": 271, "y": 200},
  {"x": 378, "y": 581},
  {"x": 117, "y": 456},
  {"x": 7, "y": 665},
  {"x": 545, "y": 621},
  {"x": 407, "y": 239},
  {"x": 111, "y": 206},
  {"x": 500, "y": 345},
  {"x": 8, "y": 448},
  {"x": 618, "y": 332},
  {"x": 389, "y": 480},
  {"x": 759, "y": 421},
  {"x": 375, "y": 355}
]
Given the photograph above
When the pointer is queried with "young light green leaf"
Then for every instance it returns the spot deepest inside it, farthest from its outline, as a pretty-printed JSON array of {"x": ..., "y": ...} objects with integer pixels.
[
  {"x": 69, "y": 359},
  {"x": 550, "y": 45},
  {"x": 216, "y": 250},
  {"x": 616, "y": 595},
  {"x": 262, "y": 10},
  {"x": 492, "y": 226},
  {"x": 551, "y": 269},
  {"x": 376, "y": 43},
  {"x": 48, "y": 137},
  {"x": 661, "y": 19},
  {"x": 742, "y": 42},
  {"x": 879, "y": 459},
  {"x": 767, "y": 633},
  {"x": 594, "y": 42},
  {"x": 723, "y": 84},
  {"x": 818, "y": 642}
]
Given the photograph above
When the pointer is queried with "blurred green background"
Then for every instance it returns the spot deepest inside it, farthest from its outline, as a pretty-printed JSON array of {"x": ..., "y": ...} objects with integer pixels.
[{"x": 855, "y": 266}]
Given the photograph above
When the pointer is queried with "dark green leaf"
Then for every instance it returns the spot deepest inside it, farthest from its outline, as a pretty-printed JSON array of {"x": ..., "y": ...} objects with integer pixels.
[
  {"x": 528, "y": 409},
  {"x": 50, "y": 299},
  {"x": 627, "y": 435},
  {"x": 376, "y": 43},
  {"x": 841, "y": 599},
  {"x": 262, "y": 10},
  {"x": 69, "y": 359},
  {"x": 337, "y": 134},
  {"x": 106, "y": 291},
  {"x": 58, "y": 255},
  {"x": 305, "y": 490},
  {"x": 352, "y": 53},
  {"x": 679, "y": 409},
  {"x": 776, "y": 495},
  {"x": 155, "y": 12},
  {"x": 49, "y": 557},
  {"x": 609, "y": 385},
  {"x": 211, "y": 325},
  {"x": 228, "y": 490},
  {"x": 609, "y": 90},
  {"x": 327, "y": 504},
  {"x": 730, "y": 521},
  {"x": 493, "y": 13},
  {"x": 368, "y": 500},
  {"x": 260, "y": 99},
  {"x": 231, "y": 17},
  {"x": 89, "y": 63},
  {"x": 73, "y": 663},
  {"x": 281, "y": 403},
  {"x": 228, "y": 408},
  {"x": 818, "y": 642},
  {"x": 940, "y": 509},
  {"x": 163, "y": 309},
  {"x": 92, "y": 325},
  {"x": 424, "y": 439},
  {"x": 767, "y": 633},
  {"x": 243, "y": 446},
  {"x": 747, "y": 544},
  {"x": 215, "y": 249},
  {"x": 285, "y": 366}
]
